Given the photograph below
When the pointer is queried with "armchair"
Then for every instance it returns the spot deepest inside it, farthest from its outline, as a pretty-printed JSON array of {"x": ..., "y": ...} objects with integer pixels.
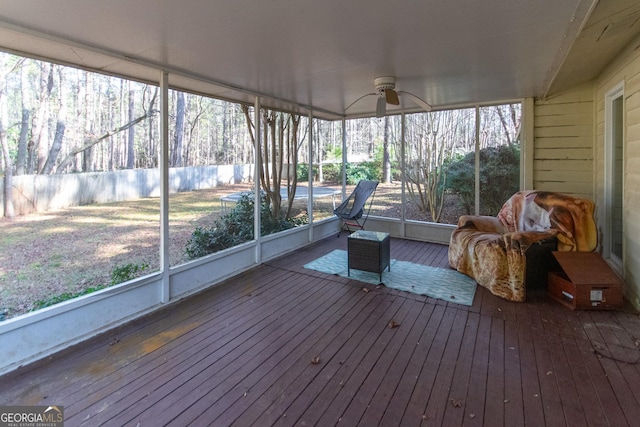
[{"x": 493, "y": 250}]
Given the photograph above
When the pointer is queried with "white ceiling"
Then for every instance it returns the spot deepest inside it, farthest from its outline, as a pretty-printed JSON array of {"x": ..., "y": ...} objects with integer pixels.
[{"x": 318, "y": 54}]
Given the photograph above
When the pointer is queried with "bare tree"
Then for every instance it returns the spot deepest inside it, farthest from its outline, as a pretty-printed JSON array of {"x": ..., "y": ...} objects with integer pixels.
[
  {"x": 431, "y": 142},
  {"x": 4, "y": 144},
  {"x": 509, "y": 120},
  {"x": 279, "y": 143},
  {"x": 386, "y": 161},
  {"x": 40, "y": 133},
  {"x": 178, "y": 135},
  {"x": 92, "y": 119},
  {"x": 60, "y": 128},
  {"x": 21, "y": 160},
  {"x": 8, "y": 165},
  {"x": 91, "y": 142},
  {"x": 131, "y": 152}
]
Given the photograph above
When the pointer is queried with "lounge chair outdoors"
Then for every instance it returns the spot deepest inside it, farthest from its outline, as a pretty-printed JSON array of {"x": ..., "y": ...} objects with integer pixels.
[{"x": 351, "y": 209}]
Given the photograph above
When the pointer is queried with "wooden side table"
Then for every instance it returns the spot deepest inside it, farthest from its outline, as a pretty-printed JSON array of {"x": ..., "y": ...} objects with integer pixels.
[{"x": 368, "y": 251}]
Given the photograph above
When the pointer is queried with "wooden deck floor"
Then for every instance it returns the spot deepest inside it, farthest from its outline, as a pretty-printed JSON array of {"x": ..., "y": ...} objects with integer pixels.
[{"x": 243, "y": 354}]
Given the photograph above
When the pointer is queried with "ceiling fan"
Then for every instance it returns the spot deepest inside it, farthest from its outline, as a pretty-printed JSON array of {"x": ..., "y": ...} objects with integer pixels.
[{"x": 387, "y": 94}]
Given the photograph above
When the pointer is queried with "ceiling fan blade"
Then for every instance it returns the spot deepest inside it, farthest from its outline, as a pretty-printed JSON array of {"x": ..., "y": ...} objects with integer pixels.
[
  {"x": 391, "y": 96},
  {"x": 421, "y": 102},
  {"x": 381, "y": 107},
  {"x": 354, "y": 102}
]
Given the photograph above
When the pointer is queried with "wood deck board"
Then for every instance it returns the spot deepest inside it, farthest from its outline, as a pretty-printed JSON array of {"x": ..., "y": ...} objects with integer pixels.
[
  {"x": 241, "y": 354},
  {"x": 387, "y": 366},
  {"x": 222, "y": 368},
  {"x": 336, "y": 388},
  {"x": 401, "y": 397},
  {"x": 194, "y": 362},
  {"x": 164, "y": 358},
  {"x": 549, "y": 394},
  {"x": 495, "y": 399},
  {"x": 474, "y": 405},
  {"x": 239, "y": 382},
  {"x": 288, "y": 383},
  {"x": 584, "y": 388},
  {"x": 341, "y": 358},
  {"x": 440, "y": 399},
  {"x": 454, "y": 414},
  {"x": 513, "y": 384},
  {"x": 288, "y": 367},
  {"x": 352, "y": 396},
  {"x": 390, "y": 384}
]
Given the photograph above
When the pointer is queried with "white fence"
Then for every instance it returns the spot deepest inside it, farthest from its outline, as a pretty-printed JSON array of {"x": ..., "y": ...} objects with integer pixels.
[{"x": 41, "y": 193}]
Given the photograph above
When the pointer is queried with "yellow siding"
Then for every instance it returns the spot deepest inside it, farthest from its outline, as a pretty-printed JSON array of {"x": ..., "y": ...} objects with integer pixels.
[
  {"x": 568, "y": 152},
  {"x": 624, "y": 69},
  {"x": 571, "y": 131},
  {"x": 563, "y": 142},
  {"x": 565, "y": 154}
]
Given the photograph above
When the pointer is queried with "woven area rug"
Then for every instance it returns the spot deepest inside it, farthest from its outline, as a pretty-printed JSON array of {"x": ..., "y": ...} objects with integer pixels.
[{"x": 441, "y": 283}]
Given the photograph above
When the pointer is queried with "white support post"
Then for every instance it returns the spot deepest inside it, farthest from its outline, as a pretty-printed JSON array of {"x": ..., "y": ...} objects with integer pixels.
[
  {"x": 527, "y": 144},
  {"x": 256, "y": 184},
  {"x": 403, "y": 178},
  {"x": 165, "y": 295},
  {"x": 477, "y": 167},
  {"x": 344, "y": 158},
  {"x": 310, "y": 152}
]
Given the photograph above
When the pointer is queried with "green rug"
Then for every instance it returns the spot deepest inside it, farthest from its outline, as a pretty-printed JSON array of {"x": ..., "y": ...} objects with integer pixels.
[{"x": 441, "y": 283}]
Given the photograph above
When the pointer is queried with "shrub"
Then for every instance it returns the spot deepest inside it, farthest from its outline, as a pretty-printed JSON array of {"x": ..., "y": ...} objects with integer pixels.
[
  {"x": 118, "y": 275},
  {"x": 499, "y": 178},
  {"x": 236, "y": 227},
  {"x": 362, "y": 171},
  {"x": 331, "y": 172},
  {"x": 37, "y": 305},
  {"x": 127, "y": 272}
]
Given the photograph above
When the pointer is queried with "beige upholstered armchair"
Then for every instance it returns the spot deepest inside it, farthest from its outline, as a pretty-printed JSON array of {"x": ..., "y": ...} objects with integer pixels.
[{"x": 493, "y": 250}]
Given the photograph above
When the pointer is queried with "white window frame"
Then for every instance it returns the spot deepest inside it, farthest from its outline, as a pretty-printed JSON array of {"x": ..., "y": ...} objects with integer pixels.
[{"x": 609, "y": 168}]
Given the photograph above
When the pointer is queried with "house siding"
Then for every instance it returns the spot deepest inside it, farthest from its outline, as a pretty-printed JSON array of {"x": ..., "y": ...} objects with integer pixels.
[
  {"x": 569, "y": 147},
  {"x": 626, "y": 70},
  {"x": 563, "y": 142}
]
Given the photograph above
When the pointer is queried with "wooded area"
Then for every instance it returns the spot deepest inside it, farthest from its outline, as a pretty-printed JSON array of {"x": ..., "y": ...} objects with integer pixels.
[
  {"x": 57, "y": 119},
  {"x": 61, "y": 120}
]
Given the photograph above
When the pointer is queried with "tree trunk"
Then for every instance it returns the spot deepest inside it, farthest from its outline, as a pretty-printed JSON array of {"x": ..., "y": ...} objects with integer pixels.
[
  {"x": 8, "y": 166},
  {"x": 386, "y": 162},
  {"x": 31, "y": 154},
  {"x": 55, "y": 148},
  {"x": 131, "y": 160},
  {"x": 40, "y": 136},
  {"x": 226, "y": 117},
  {"x": 151, "y": 152},
  {"x": 91, "y": 113},
  {"x": 319, "y": 151},
  {"x": 292, "y": 164},
  {"x": 176, "y": 154},
  {"x": 503, "y": 122},
  {"x": 60, "y": 128},
  {"x": 276, "y": 131},
  {"x": 21, "y": 160}
]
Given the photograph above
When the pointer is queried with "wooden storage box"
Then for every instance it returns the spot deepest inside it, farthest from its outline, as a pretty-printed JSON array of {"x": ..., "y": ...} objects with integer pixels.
[{"x": 586, "y": 282}]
